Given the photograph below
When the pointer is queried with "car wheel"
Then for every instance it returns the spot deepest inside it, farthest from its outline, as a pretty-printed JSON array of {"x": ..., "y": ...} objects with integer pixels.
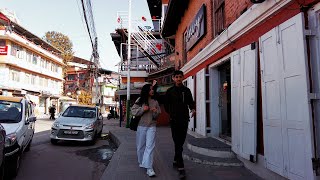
[
  {"x": 99, "y": 134},
  {"x": 54, "y": 141},
  {"x": 93, "y": 141},
  {"x": 14, "y": 165},
  {"x": 28, "y": 146}
]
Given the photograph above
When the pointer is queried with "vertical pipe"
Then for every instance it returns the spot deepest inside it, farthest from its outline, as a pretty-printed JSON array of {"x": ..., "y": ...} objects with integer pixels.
[{"x": 129, "y": 64}]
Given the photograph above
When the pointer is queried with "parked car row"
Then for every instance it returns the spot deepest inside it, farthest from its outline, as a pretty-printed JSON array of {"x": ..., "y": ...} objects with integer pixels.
[
  {"x": 17, "y": 127},
  {"x": 17, "y": 121}
]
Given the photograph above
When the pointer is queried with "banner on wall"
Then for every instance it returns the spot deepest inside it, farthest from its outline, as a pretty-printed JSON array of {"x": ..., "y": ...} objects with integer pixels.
[{"x": 3, "y": 50}]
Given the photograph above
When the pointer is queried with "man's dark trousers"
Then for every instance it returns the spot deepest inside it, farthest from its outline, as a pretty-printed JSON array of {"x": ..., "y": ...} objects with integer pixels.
[
  {"x": 52, "y": 116},
  {"x": 179, "y": 128}
]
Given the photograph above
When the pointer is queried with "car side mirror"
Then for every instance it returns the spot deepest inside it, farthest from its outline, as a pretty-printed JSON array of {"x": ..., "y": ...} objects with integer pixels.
[{"x": 32, "y": 119}]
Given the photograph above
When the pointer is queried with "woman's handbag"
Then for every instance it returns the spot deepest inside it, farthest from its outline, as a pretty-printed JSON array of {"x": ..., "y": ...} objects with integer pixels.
[{"x": 134, "y": 121}]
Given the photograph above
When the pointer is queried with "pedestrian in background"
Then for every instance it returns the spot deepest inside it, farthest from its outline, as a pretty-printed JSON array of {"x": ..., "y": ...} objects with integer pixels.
[
  {"x": 52, "y": 111},
  {"x": 148, "y": 109},
  {"x": 178, "y": 101}
]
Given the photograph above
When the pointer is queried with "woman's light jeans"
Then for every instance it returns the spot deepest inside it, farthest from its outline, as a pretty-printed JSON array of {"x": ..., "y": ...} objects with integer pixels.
[{"x": 145, "y": 145}]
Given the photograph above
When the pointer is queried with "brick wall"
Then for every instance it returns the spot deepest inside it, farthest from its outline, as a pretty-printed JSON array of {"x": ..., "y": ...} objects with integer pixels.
[
  {"x": 234, "y": 9},
  {"x": 189, "y": 15}
]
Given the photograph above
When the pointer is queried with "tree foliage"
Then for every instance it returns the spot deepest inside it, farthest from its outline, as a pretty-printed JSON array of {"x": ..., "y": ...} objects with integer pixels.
[
  {"x": 85, "y": 98},
  {"x": 61, "y": 42}
]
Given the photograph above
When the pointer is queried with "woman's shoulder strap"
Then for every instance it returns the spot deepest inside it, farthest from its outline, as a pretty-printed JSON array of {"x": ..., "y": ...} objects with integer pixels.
[{"x": 137, "y": 101}]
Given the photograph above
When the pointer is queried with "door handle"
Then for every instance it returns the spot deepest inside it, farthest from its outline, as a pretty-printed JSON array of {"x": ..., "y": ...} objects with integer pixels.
[{"x": 252, "y": 101}]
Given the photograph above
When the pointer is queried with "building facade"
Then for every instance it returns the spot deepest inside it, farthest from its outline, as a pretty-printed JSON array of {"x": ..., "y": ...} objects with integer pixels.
[
  {"x": 253, "y": 69},
  {"x": 109, "y": 84},
  {"x": 79, "y": 76},
  {"x": 29, "y": 66}
]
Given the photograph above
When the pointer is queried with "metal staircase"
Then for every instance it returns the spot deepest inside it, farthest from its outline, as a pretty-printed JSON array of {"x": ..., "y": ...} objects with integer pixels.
[{"x": 154, "y": 49}]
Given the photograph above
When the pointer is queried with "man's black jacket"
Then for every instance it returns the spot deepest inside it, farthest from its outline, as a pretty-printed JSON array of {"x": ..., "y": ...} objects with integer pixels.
[{"x": 177, "y": 101}]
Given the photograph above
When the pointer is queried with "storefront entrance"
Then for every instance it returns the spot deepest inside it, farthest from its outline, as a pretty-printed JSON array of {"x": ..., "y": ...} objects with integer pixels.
[
  {"x": 220, "y": 92},
  {"x": 225, "y": 100}
]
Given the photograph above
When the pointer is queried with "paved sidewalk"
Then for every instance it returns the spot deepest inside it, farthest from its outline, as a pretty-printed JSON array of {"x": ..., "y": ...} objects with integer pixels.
[{"x": 124, "y": 166}]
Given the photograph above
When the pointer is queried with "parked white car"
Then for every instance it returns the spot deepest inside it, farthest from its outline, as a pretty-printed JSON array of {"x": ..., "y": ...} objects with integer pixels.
[
  {"x": 77, "y": 123},
  {"x": 18, "y": 119}
]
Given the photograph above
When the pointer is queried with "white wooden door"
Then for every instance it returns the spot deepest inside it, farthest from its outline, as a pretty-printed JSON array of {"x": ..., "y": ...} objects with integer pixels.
[
  {"x": 235, "y": 100},
  {"x": 190, "y": 81},
  {"x": 248, "y": 100},
  {"x": 286, "y": 110},
  {"x": 243, "y": 102},
  {"x": 271, "y": 102},
  {"x": 201, "y": 103}
]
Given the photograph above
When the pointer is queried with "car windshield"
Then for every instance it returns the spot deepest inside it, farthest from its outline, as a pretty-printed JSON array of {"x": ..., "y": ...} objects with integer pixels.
[
  {"x": 10, "y": 112},
  {"x": 81, "y": 112}
]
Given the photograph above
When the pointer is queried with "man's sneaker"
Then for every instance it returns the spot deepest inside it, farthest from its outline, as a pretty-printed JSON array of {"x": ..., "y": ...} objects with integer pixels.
[
  {"x": 140, "y": 165},
  {"x": 151, "y": 172},
  {"x": 182, "y": 174}
]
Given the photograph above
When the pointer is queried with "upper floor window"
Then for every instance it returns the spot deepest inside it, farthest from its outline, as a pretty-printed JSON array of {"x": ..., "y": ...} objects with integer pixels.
[
  {"x": 41, "y": 81},
  {"x": 42, "y": 62},
  {"x": 33, "y": 79},
  {"x": 219, "y": 16},
  {"x": 2, "y": 42},
  {"x": 82, "y": 76},
  {"x": 35, "y": 59},
  {"x": 14, "y": 75},
  {"x": 46, "y": 64},
  {"x": 29, "y": 56},
  {"x": 54, "y": 67},
  {"x": 71, "y": 77},
  {"x": 27, "y": 79},
  {"x": 45, "y": 82},
  {"x": 17, "y": 51}
]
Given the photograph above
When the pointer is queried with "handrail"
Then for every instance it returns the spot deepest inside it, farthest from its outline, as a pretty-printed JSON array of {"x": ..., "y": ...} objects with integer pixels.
[{"x": 145, "y": 39}]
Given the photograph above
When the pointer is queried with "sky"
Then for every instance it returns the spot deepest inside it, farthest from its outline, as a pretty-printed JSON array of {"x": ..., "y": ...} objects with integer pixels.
[{"x": 65, "y": 16}]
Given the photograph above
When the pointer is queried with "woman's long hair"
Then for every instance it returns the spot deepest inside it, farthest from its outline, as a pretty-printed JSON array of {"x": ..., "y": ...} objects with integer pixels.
[{"x": 144, "y": 95}]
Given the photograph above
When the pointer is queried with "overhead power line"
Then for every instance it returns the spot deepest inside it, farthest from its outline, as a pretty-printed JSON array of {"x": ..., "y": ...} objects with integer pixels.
[{"x": 88, "y": 17}]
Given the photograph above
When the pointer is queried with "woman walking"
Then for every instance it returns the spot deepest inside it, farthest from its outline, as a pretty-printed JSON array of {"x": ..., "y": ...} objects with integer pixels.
[{"x": 148, "y": 109}]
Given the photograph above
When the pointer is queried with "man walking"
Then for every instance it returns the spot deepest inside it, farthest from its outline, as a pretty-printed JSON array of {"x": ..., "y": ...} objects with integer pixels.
[
  {"x": 178, "y": 102},
  {"x": 52, "y": 111}
]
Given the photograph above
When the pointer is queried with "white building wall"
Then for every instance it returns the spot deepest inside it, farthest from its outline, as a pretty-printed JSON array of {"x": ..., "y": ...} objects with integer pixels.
[
  {"x": 4, "y": 76},
  {"x": 27, "y": 71}
]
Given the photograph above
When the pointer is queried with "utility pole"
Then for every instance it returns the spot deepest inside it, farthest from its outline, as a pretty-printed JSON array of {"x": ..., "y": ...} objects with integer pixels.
[
  {"x": 129, "y": 66},
  {"x": 96, "y": 63}
]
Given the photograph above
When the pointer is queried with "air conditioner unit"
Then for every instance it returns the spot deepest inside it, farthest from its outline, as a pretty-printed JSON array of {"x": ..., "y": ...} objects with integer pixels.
[{"x": 257, "y": 1}]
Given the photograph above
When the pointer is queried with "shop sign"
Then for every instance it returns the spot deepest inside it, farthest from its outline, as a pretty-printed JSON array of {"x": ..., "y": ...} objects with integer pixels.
[
  {"x": 3, "y": 50},
  {"x": 197, "y": 29}
]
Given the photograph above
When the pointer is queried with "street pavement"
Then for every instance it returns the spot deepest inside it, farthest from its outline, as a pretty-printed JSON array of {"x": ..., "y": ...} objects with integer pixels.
[
  {"x": 67, "y": 160},
  {"x": 79, "y": 161},
  {"x": 124, "y": 165}
]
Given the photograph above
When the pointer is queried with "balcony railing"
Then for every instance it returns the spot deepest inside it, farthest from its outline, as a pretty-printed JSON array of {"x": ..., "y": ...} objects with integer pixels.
[{"x": 143, "y": 34}]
